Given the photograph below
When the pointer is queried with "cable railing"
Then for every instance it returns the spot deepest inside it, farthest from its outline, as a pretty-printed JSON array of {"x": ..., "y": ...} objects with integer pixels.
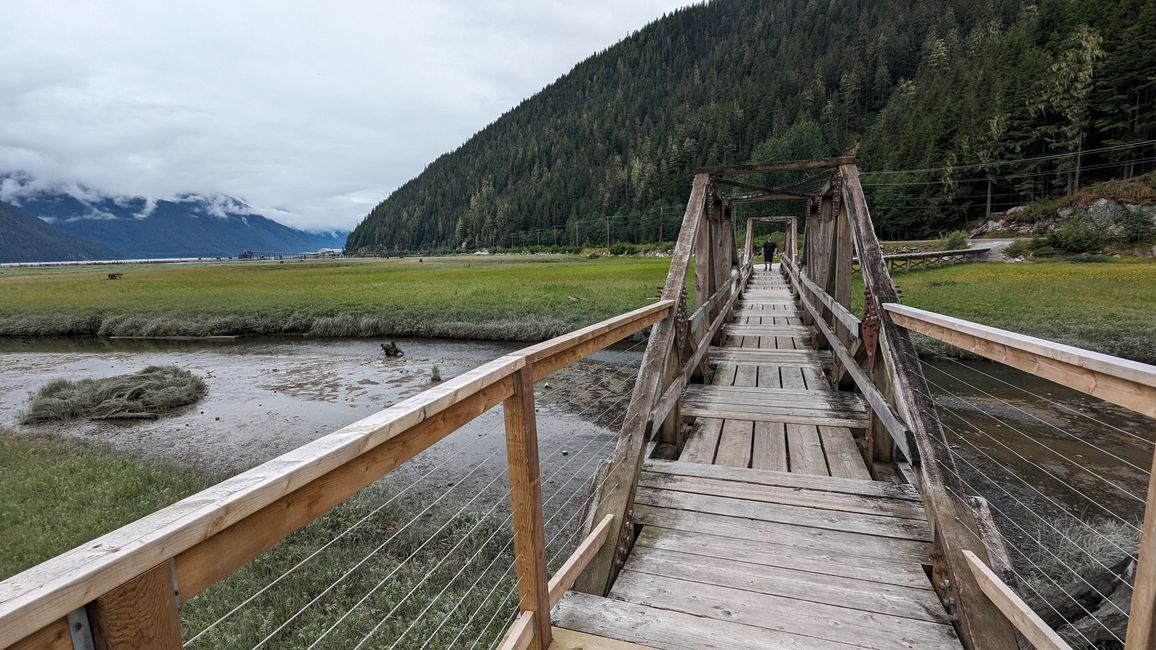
[
  {"x": 95, "y": 591},
  {"x": 1063, "y": 531}
]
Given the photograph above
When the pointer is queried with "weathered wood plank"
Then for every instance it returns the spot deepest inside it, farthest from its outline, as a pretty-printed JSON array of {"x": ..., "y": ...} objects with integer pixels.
[
  {"x": 843, "y": 456},
  {"x": 1029, "y": 624},
  {"x": 787, "y": 396},
  {"x": 703, "y": 441},
  {"x": 815, "y": 621},
  {"x": 736, "y": 573},
  {"x": 787, "y": 480},
  {"x": 856, "y": 566},
  {"x": 746, "y": 375},
  {"x": 668, "y": 629},
  {"x": 773, "y": 414},
  {"x": 794, "y": 165},
  {"x": 801, "y": 331},
  {"x": 576, "y": 563},
  {"x": 882, "y": 507},
  {"x": 803, "y": 358},
  {"x": 805, "y": 450},
  {"x": 799, "y": 516},
  {"x": 734, "y": 446},
  {"x": 836, "y": 542},
  {"x": 769, "y": 448}
]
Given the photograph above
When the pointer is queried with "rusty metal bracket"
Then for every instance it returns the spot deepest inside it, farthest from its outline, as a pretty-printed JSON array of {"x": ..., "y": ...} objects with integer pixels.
[{"x": 869, "y": 328}]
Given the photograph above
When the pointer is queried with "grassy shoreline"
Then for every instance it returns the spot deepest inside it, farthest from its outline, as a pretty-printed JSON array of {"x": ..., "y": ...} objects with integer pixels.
[
  {"x": 1108, "y": 306},
  {"x": 514, "y": 298}
]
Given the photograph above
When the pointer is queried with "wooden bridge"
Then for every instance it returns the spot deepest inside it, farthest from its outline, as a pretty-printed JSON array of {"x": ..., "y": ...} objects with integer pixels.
[{"x": 781, "y": 478}]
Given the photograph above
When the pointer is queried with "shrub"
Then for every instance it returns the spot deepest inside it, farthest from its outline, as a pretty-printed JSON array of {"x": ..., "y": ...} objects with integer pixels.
[
  {"x": 623, "y": 248},
  {"x": 1019, "y": 248},
  {"x": 1137, "y": 226},
  {"x": 1077, "y": 235},
  {"x": 955, "y": 240}
]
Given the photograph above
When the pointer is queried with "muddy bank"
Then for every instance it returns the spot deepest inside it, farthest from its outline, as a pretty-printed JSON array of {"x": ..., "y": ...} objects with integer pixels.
[{"x": 268, "y": 396}]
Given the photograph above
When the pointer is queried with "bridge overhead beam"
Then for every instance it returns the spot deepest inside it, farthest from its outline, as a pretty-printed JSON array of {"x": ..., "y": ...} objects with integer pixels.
[{"x": 787, "y": 166}]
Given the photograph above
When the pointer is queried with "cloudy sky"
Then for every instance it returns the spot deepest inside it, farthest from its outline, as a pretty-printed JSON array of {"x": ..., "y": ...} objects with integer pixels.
[{"x": 318, "y": 108}]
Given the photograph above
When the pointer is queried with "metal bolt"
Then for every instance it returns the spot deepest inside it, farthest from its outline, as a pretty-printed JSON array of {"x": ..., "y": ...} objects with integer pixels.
[
  {"x": 945, "y": 584},
  {"x": 949, "y": 602}
]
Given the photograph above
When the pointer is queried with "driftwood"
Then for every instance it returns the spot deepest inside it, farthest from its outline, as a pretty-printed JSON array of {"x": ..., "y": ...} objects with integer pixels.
[
  {"x": 391, "y": 350},
  {"x": 1108, "y": 622},
  {"x": 126, "y": 416}
]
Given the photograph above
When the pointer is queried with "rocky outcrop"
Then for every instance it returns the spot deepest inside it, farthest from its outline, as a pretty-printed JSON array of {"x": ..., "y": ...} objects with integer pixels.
[{"x": 1106, "y": 213}]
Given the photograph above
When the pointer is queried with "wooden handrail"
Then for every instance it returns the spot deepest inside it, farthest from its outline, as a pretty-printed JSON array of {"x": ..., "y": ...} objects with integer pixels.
[
  {"x": 980, "y": 622},
  {"x": 841, "y": 313},
  {"x": 521, "y": 633},
  {"x": 900, "y": 433},
  {"x": 210, "y": 534},
  {"x": 1130, "y": 384},
  {"x": 1029, "y": 624},
  {"x": 616, "y": 490}
]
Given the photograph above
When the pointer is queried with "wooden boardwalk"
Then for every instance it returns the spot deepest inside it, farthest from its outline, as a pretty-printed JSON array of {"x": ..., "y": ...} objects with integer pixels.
[{"x": 768, "y": 532}]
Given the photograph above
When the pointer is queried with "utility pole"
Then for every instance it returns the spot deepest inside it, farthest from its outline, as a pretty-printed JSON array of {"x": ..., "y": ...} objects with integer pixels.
[
  {"x": 607, "y": 231},
  {"x": 661, "y": 219}
]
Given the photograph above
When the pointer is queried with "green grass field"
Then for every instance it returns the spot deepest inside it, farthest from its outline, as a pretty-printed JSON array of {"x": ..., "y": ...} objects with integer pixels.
[
  {"x": 461, "y": 297},
  {"x": 59, "y": 494},
  {"x": 1104, "y": 306}
]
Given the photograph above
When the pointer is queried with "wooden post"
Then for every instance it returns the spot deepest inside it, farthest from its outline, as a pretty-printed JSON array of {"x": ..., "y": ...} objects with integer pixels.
[
  {"x": 526, "y": 502},
  {"x": 615, "y": 493},
  {"x": 1142, "y": 620},
  {"x": 981, "y": 624},
  {"x": 141, "y": 613}
]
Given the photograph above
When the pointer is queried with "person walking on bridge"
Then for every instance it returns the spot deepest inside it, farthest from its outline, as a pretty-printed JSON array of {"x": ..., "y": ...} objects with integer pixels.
[{"x": 768, "y": 254}]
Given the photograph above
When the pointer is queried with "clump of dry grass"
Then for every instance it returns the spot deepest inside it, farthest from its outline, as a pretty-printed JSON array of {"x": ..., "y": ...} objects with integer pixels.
[{"x": 154, "y": 390}]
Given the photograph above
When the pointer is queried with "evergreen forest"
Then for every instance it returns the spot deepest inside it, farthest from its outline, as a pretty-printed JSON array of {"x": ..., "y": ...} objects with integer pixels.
[{"x": 954, "y": 109}]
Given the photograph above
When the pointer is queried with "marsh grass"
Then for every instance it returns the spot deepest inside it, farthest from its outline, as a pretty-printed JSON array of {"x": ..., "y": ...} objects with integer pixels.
[
  {"x": 1108, "y": 307},
  {"x": 1071, "y": 553},
  {"x": 62, "y": 493},
  {"x": 505, "y": 298},
  {"x": 154, "y": 390}
]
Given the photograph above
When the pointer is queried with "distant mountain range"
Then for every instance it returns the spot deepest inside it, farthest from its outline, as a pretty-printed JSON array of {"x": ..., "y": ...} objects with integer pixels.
[
  {"x": 24, "y": 238},
  {"x": 81, "y": 221}
]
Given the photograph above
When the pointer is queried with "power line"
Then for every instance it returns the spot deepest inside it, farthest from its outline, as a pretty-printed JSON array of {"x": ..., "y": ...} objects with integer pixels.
[{"x": 1000, "y": 163}]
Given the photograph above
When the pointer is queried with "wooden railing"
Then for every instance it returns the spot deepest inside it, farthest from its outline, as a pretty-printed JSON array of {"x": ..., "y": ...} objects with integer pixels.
[
  {"x": 1127, "y": 383},
  {"x": 124, "y": 589},
  {"x": 874, "y": 356},
  {"x": 927, "y": 259},
  {"x": 675, "y": 354}
]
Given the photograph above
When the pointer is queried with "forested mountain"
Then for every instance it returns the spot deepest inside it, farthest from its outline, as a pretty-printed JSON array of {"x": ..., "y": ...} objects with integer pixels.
[
  {"x": 190, "y": 225},
  {"x": 947, "y": 87},
  {"x": 24, "y": 238}
]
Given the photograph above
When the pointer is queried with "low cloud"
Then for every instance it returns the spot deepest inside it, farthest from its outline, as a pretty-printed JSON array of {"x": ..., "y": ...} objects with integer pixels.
[{"x": 318, "y": 109}]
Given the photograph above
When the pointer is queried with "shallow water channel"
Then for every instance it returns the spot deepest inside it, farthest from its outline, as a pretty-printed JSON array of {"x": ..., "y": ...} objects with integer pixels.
[
  {"x": 1032, "y": 448},
  {"x": 267, "y": 396}
]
